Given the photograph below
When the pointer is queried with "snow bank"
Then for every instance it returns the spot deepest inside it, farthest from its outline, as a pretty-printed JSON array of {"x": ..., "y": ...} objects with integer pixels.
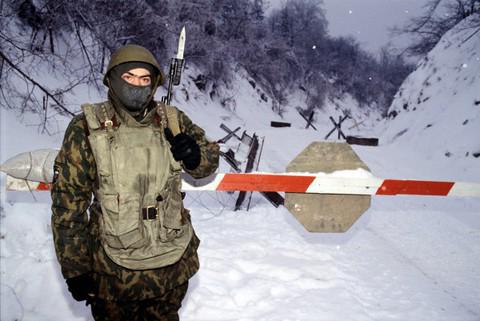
[{"x": 435, "y": 116}]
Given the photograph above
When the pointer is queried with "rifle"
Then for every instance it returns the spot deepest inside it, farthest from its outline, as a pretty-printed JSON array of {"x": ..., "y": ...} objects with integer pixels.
[{"x": 175, "y": 71}]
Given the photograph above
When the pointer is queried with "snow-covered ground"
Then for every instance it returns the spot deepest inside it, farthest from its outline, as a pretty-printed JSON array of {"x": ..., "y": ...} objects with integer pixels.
[{"x": 406, "y": 258}]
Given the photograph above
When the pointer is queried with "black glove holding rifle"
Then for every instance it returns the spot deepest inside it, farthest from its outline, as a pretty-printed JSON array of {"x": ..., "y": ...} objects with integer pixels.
[{"x": 184, "y": 148}]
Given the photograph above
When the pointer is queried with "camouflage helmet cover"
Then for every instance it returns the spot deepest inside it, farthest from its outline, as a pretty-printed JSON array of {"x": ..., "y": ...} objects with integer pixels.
[{"x": 130, "y": 53}]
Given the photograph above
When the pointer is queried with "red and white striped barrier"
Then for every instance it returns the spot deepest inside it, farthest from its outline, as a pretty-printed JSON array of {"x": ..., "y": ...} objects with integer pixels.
[
  {"x": 22, "y": 185},
  {"x": 320, "y": 183},
  {"x": 327, "y": 184}
]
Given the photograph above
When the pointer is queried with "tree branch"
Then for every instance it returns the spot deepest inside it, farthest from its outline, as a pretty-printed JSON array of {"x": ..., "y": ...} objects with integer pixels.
[{"x": 60, "y": 105}]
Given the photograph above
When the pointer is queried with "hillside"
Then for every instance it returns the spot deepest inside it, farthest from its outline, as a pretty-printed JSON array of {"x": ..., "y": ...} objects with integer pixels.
[{"x": 435, "y": 116}]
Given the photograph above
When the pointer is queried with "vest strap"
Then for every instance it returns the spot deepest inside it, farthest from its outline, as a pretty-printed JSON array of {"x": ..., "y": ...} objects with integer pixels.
[
  {"x": 91, "y": 117},
  {"x": 173, "y": 123},
  {"x": 97, "y": 117},
  {"x": 168, "y": 118},
  {"x": 110, "y": 123}
]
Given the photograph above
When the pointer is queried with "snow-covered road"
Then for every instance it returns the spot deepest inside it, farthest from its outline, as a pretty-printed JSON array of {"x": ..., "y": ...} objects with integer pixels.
[{"x": 405, "y": 259}]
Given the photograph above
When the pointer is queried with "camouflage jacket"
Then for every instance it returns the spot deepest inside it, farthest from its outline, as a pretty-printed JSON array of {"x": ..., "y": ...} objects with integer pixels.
[{"x": 75, "y": 230}]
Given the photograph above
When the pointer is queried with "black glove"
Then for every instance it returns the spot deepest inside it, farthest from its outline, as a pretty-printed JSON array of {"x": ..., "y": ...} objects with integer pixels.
[
  {"x": 184, "y": 148},
  {"x": 82, "y": 287}
]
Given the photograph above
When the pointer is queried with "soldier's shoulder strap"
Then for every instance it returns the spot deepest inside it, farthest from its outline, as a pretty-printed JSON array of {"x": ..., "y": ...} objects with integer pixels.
[
  {"x": 99, "y": 115},
  {"x": 170, "y": 114},
  {"x": 91, "y": 115}
]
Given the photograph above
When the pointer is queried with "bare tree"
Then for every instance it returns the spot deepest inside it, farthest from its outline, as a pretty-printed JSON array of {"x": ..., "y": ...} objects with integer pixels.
[
  {"x": 439, "y": 17},
  {"x": 39, "y": 58},
  {"x": 50, "y": 47}
]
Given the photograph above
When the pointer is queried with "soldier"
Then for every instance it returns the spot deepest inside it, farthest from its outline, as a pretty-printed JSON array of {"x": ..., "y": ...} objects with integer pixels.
[{"x": 132, "y": 255}]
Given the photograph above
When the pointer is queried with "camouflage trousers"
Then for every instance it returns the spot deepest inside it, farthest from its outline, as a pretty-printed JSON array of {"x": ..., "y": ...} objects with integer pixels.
[{"x": 163, "y": 308}]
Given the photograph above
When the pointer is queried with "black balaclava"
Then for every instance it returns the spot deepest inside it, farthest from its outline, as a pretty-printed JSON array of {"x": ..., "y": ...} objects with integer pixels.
[{"x": 133, "y": 98}]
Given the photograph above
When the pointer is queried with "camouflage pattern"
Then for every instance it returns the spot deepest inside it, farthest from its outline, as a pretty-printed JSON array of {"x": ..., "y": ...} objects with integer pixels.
[
  {"x": 76, "y": 233},
  {"x": 163, "y": 308}
]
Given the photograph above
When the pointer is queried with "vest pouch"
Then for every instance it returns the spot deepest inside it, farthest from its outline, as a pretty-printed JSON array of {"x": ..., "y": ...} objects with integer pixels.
[
  {"x": 172, "y": 223},
  {"x": 122, "y": 222},
  {"x": 174, "y": 204}
]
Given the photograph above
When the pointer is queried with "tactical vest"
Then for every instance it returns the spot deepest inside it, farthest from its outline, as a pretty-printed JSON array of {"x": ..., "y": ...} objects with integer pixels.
[{"x": 141, "y": 225}]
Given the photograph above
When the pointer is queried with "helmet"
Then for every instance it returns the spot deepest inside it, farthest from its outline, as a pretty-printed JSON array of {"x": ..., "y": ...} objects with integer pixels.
[{"x": 131, "y": 53}]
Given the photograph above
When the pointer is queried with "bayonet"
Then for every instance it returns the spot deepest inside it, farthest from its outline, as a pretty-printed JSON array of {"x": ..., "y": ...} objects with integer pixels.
[
  {"x": 181, "y": 44},
  {"x": 176, "y": 65}
]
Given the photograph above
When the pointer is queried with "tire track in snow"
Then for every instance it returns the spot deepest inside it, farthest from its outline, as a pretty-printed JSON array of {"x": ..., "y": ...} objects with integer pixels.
[{"x": 408, "y": 261}]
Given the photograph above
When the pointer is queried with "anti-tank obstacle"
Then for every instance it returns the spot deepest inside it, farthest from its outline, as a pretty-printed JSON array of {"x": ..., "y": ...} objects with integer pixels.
[{"x": 248, "y": 147}]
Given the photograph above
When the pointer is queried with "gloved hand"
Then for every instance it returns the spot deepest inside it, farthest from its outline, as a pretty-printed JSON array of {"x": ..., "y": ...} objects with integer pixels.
[
  {"x": 184, "y": 148},
  {"x": 82, "y": 287}
]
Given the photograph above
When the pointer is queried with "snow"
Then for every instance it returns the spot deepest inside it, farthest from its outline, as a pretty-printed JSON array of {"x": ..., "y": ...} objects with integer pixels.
[
  {"x": 439, "y": 103},
  {"x": 406, "y": 258}
]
